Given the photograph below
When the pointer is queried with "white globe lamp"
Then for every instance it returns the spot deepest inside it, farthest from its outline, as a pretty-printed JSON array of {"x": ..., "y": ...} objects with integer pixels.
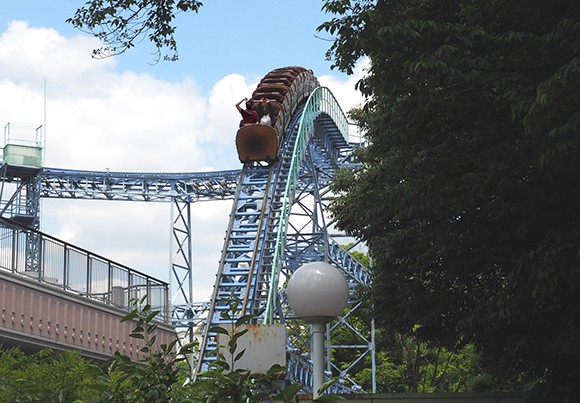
[{"x": 317, "y": 293}]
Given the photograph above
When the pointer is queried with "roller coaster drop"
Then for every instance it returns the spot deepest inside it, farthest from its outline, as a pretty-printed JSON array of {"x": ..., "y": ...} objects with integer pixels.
[{"x": 277, "y": 221}]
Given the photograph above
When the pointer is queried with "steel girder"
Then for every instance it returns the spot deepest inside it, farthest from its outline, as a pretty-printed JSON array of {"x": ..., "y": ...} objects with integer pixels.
[
  {"x": 134, "y": 186},
  {"x": 23, "y": 206}
]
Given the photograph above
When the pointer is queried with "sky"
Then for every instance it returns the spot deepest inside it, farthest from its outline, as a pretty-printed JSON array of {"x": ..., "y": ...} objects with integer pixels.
[{"x": 130, "y": 114}]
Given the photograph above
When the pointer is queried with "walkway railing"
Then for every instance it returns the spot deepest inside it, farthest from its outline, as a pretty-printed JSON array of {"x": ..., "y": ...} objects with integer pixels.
[{"x": 76, "y": 270}]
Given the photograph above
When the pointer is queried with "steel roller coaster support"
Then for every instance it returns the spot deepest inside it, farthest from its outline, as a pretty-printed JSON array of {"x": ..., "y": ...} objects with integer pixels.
[{"x": 284, "y": 209}]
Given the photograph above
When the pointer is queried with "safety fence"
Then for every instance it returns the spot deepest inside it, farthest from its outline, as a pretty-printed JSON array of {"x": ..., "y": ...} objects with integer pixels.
[{"x": 55, "y": 263}]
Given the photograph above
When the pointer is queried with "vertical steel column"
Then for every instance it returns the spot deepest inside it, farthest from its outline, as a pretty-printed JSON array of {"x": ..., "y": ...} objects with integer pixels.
[
  {"x": 181, "y": 276},
  {"x": 181, "y": 267},
  {"x": 32, "y": 213}
]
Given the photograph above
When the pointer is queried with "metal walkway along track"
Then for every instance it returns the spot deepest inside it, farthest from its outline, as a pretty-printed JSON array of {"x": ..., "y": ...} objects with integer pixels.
[
  {"x": 277, "y": 222},
  {"x": 246, "y": 263},
  {"x": 132, "y": 186}
]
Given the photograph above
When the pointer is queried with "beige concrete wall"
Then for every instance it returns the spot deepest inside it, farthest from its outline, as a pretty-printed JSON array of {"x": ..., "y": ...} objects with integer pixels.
[{"x": 35, "y": 316}]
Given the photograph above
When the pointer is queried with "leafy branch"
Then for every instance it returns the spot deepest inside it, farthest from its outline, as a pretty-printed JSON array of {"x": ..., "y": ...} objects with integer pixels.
[{"x": 120, "y": 24}]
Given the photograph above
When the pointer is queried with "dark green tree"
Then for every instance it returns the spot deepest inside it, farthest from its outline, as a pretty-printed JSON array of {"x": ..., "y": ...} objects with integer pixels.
[
  {"x": 406, "y": 363},
  {"x": 468, "y": 191},
  {"x": 48, "y": 376}
]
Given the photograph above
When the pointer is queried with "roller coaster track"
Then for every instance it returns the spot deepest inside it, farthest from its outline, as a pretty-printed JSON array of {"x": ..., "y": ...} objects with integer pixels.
[
  {"x": 258, "y": 247},
  {"x": 277, "y": 221}
]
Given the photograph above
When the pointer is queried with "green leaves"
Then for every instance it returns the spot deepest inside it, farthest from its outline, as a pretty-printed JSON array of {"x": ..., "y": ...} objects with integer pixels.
[
  {"x": 155, "y": 377},
  {"x": 48, "y": 376},
  {"x": 66, "y": 377},
  {"x": 120, "y": 24},
  {"x": 468, "y": 188}
]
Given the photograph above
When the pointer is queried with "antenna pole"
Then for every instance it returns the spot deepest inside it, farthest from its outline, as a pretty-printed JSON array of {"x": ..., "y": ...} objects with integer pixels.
[{"x": 43, "y": 140}]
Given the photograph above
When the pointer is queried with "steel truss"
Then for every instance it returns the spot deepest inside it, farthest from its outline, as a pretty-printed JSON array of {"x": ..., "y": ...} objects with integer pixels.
[
  {"x": 310, "y": 236},
  {"x": 134, "y": 186},
  {"x": 278, "y": 222},
  {"x": 22, "y": 204}
]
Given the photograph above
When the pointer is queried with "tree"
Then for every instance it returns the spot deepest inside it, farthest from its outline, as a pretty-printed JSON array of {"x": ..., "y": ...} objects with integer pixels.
[
  {"x": 120, "y": 24},
  {"x": 47, "y": 376},
  {"x": 155, "y": 377},
  {"x": 468, "y": 191},
  {"x": 405, "y": 363}
]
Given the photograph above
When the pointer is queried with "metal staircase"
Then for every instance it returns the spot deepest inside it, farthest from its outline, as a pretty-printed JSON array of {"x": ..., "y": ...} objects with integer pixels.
[{"x": 246, "y": 263}]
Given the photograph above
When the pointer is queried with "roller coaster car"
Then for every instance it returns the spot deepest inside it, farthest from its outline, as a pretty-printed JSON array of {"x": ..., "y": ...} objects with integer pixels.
[{"x": 257, "y": 143}]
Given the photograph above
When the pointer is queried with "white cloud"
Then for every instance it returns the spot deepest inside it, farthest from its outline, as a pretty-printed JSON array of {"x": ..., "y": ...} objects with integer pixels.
[
  {"x": 99, "y": 118},
  {"x": 31, "y": 54},
  {"x": 137, "y": 124},
  {"x": 344, "y": 90}
]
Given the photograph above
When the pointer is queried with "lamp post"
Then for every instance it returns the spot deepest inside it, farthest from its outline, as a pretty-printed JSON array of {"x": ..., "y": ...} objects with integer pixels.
[{"x": 317, "y": 292}]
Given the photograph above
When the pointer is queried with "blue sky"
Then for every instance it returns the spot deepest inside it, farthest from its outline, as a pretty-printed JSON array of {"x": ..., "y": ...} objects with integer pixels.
[
  {"x": 125, "y": 114},
  {"x": 226, "y": 36}
]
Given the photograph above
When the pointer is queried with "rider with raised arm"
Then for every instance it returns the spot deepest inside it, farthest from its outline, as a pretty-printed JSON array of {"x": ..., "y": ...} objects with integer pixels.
[{"x": 249, "y": 115}]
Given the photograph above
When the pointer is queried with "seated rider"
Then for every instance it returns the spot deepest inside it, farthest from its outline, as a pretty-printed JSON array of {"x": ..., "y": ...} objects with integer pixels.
[
  {"x": 265, "y": 111},
  {"x": 249, "y": 115}
]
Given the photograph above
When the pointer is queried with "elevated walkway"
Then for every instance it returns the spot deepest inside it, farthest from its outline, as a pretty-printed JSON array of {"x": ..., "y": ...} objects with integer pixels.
[
  {"x": 71, "y": 298},
  {"x": 36, "y": 316}
]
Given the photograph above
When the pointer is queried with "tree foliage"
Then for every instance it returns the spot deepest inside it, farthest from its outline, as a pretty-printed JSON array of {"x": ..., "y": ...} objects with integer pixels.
[
  {"x": 61, "y": 377},
  {"x": 48, "y": 377},
  {"x": 155, "y": 377},
  {"x": 469, "y": 187},
  {"x": 121, "y": 24},
  {"x": 405, "y": 363}
]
